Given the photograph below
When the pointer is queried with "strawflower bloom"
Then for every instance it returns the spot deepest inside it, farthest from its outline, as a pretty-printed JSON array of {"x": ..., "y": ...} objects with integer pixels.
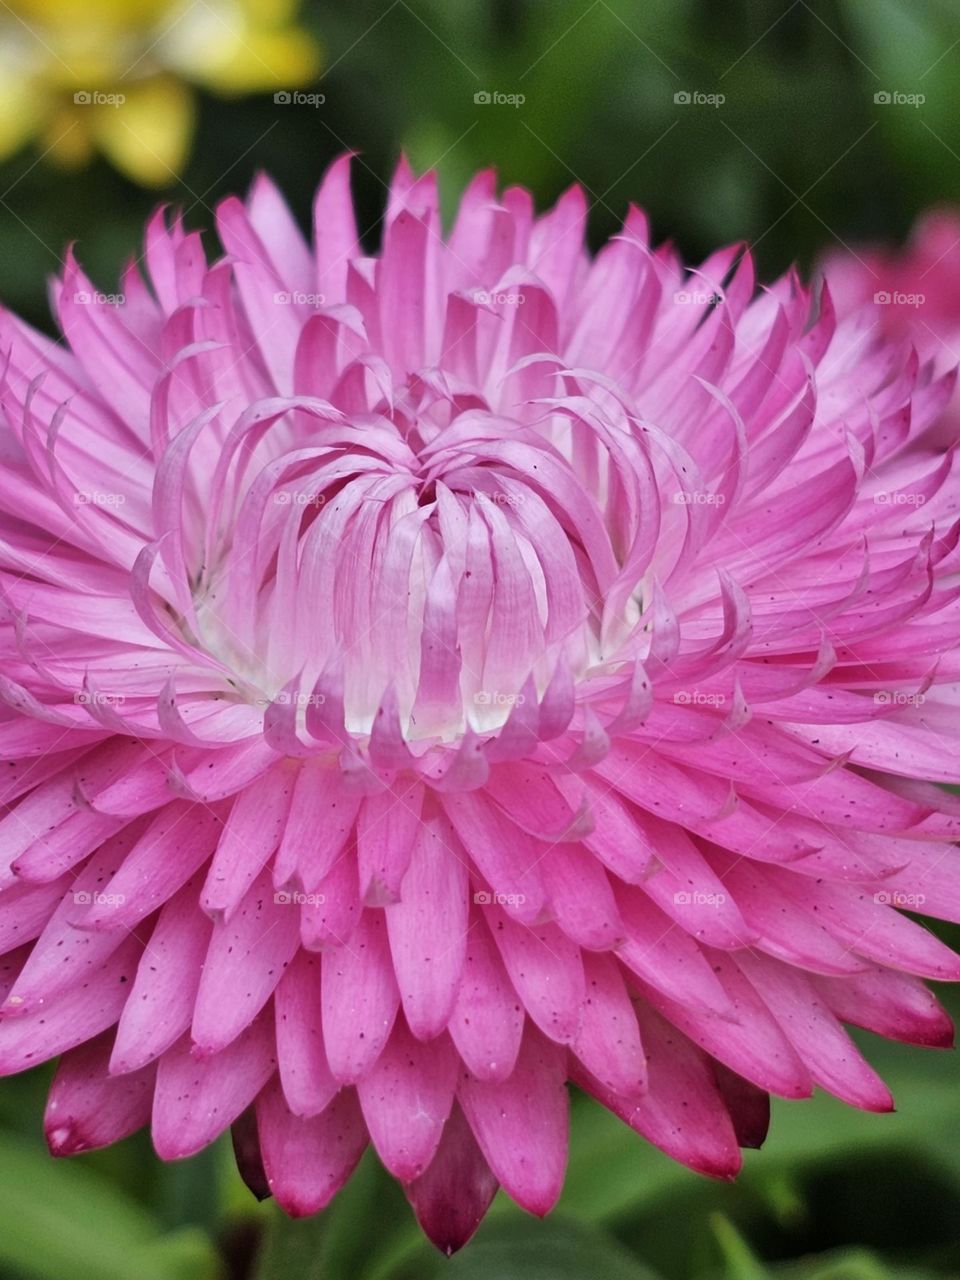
[
  {"x": 117, "y": 76},
  {"x": 914, "y": 293},
  {"x": 435, "y": 677}
]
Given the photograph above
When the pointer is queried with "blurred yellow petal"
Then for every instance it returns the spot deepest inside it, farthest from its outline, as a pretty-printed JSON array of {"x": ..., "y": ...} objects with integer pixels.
[
  {"x": 66, "y": 139},
  {"x": 217, "y": 46},
  {"x": 53, "y": 14},
  {"x": 84, "y": 69},
  {"x": 22, "y": 112},
  {"x": 268, "y": 60},
  {"x": 147, "y": 137},
  {"x": 62, "y": 61},
  {"x": 269, "y": 13},
  {"x": 74, "y": 56}
]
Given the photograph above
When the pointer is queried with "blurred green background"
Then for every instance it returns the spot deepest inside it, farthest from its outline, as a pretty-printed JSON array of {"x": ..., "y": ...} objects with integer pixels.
[{"x": 798, "y": 157}]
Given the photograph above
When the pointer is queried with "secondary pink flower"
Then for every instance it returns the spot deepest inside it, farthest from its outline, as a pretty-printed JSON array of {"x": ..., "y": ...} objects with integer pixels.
[
  {"x": 434, "y": 677},
  {"x": 915, "y": 294}
]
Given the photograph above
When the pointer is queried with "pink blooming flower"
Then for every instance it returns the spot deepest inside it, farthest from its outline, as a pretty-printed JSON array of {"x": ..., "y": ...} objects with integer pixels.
[
  {"x": 435, "y": 677},
  {"x": 915, "y": 294}
]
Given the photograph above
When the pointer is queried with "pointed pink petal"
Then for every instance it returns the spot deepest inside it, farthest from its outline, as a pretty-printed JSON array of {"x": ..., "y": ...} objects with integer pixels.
[
  {"x": 89, "y": 1108},
  {"x": 521, "y": 1123},
  {"x": 546, "y": 971},
  {"x": 487, "y": 1020},
  {"x": 161, "y": 1001},
  {"x": 427, "y": 928},
  {"x": 451, "y": 1197},
  {"x": 307, "y": 1161},
  {"x": 406, "y": 1098},
  {"x": 608, "y": 1043},
  {"x": 244, "y": 962},
  {"x": 305, "y": 1075},
  {"x": 359, "y": 999},
  {"x": 196, "y": 1099}
]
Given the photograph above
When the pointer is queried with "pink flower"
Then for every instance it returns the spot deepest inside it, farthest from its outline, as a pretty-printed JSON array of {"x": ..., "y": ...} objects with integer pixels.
[
  {"x": 434, "y": 677},
  {"x": 915, "y": 295}
]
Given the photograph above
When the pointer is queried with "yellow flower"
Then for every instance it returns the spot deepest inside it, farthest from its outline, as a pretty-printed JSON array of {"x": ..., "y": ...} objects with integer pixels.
[{"x": 115, "y": 75}]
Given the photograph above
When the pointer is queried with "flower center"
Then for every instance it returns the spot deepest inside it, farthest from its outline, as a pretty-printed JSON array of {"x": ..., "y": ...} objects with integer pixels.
[{"x": 437, "y": 563}]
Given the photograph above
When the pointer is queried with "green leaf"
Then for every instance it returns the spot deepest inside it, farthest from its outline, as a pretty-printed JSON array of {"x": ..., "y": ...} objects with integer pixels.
[
  {"x": 531, "y": 1250},
  {"x": 338, "y": 1243},
  {"x": 61, "y": 1219},
  {"x": 191, "y": 1189},
  {"x": 852, "y": 1264},
  {"x": 739, "y": 1259},
  {"x": 293, "y": 1249}
]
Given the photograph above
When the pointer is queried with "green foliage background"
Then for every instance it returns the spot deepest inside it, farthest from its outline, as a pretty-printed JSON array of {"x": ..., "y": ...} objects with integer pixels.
[{"x": 798, "y": 157}]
